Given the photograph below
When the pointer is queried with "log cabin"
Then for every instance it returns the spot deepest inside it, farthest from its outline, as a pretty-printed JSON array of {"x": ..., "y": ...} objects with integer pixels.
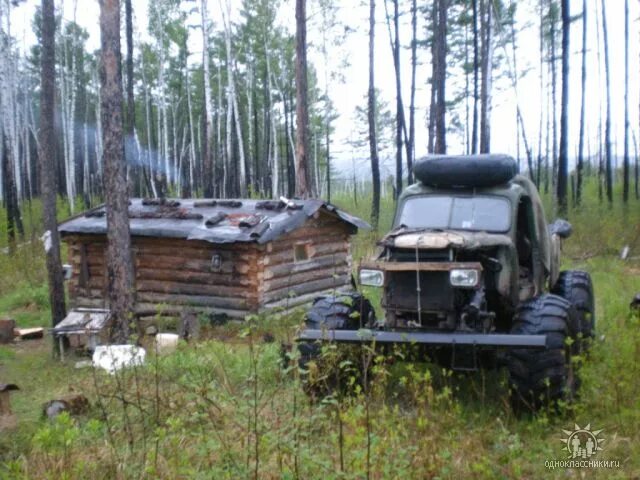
[{"x": 219, "y": 257}]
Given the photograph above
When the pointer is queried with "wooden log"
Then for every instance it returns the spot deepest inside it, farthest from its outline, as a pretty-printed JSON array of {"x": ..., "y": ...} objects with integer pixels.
[
  {"x": 305, "y": 233},
  {"x": 284, "y": 269},
  {"x": 286, "y": 255},
  {"x": 6, "y": 330},
  {"x": 194, "y": 300},
  {"x": 160, "y": 274},
  {"x": 29, "y": 333},
  {"x": 292, "y": 303},
  {"x": 151, "y": 309},
  {"x": 204, "y": 266},
  {"x": 193, "y": 289},
  {"x": 189, "y": 244},
  {"x": 319, "y": 245},
  {"x": 304, "y": 288},
  {"x": 421, "y": 266},
  {"x": 303, "y": 277}
]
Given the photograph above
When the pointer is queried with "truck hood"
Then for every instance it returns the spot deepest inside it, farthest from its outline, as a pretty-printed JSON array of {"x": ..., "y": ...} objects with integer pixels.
[{"x": 440, "y": 239}]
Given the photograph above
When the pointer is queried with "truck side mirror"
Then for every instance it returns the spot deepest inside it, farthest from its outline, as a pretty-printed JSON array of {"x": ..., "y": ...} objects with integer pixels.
[{"x": 561, "y": 228}]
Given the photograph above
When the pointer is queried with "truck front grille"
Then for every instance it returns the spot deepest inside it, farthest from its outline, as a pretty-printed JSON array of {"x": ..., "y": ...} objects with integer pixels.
[{"x": 436, "y": 293}]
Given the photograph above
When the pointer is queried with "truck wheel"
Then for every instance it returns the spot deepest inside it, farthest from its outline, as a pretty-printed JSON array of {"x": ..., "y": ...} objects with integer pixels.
[
  {"x": 576, "y": 287},
  {"x": 539, "y": 378},
  {"x": 349, "y": 311}
]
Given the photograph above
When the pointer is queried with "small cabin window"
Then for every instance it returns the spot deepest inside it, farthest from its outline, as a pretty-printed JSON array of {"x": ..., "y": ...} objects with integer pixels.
[
  {"x": 216, "y": 262},
  {"x": 301, "y": 252}
]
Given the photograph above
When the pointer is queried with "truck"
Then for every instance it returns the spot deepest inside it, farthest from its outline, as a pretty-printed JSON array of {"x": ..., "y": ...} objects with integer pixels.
[{"x": 470, "y": 274}]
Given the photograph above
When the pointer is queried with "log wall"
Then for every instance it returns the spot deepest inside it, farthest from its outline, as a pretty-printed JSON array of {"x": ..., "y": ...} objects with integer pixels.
[
  {"x": 176, "y": 274},
  {"x": 287, "y": 283},
  {"x": 171, "y": 274}
]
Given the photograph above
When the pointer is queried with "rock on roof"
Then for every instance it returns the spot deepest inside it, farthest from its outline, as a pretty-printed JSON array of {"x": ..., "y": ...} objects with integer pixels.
[{"x": 215, "y": 221}]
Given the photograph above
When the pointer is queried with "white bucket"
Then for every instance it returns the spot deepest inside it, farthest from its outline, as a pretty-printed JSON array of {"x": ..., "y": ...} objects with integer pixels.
[
  {"x": 166, "y": 343},
  {"x": 114, "y": 357}
]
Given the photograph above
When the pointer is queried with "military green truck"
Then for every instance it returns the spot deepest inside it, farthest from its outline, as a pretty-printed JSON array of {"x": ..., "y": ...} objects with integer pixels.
[{"x": 470, "y": 274}]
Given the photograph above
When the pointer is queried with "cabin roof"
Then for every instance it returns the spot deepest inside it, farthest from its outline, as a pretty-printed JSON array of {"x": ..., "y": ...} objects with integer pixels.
[{"x": 214, "y": 221}]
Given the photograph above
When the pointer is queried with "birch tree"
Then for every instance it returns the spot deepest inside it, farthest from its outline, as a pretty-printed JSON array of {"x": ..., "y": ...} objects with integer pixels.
[
  {"x": 207, "y": 151},
  {"x": 11, "y": 173},
  {"x": 607, "y": 128},
  {"x": 371, "y": 118},
  {"x": 233, "y": 112}
]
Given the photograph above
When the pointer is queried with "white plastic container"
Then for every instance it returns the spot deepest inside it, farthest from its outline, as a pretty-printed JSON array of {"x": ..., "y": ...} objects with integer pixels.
[
  {"x": 114, "y": 357},
  {"x": 166, "y": 343}
]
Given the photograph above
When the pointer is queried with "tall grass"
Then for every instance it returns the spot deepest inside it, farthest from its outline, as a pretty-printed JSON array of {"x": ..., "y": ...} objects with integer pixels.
[{"x": 232, "y": 409}]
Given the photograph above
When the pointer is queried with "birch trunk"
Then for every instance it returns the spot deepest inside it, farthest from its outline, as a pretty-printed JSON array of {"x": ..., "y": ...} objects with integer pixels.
[
  {"x": 583, "y": 90},
  {"x": 273, "y": 145},
  {"x": 233, "y": 109},
  {"x": 607, "y": 128},
  {"x": 487, "y": 75},
  {"x": 207, "y": 151},
  {"x": 625, "y": 165},
  {"x": 192, "y": 138}
]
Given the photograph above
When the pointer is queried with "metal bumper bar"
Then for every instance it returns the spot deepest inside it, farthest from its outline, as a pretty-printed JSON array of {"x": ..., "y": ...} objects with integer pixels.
[{"x": 478, "y": 339}]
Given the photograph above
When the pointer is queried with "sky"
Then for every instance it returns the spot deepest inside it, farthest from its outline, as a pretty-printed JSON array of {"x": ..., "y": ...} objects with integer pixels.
[{"x": 349, "y": 93}]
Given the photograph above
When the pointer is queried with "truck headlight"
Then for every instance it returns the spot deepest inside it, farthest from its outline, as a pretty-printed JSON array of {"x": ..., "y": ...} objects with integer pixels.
[
  {"x": 372, "y": 278},
  {"x": 463, "y": 278}
]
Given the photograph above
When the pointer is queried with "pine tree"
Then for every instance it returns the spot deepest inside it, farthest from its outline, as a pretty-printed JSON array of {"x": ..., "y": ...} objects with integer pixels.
[{"x": 119, "y": 260}]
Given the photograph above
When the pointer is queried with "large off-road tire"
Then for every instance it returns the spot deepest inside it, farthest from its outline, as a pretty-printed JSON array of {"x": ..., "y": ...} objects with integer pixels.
[
  {"x": 485, "y": 170},
  {"x": 540, "y": 378},
  {"x": 349, "y": 311},
  {"x": 576, "y": 287}
]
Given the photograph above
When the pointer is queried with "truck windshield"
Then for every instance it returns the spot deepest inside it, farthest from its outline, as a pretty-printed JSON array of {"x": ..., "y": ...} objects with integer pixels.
[{"x": 490, "y": 214}]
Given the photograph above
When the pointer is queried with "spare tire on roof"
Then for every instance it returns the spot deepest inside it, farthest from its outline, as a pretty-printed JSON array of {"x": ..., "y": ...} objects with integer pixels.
[{"x": 478, "y": 171}]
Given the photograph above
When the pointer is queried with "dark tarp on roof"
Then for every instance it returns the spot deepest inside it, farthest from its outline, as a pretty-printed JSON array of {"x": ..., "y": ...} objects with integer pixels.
[{"x": 214, "y": 221}]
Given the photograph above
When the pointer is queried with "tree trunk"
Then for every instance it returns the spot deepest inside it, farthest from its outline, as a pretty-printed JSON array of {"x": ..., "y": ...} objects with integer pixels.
[
  {"x": 192, "y": 137},
  {"x": 304, "y": 188},
  {"x": 399, "y": 107},
  {"x": 520, "y": 125},
  {"x": 371, "y": 115},
  {"x": 486, "y": 33},
  {"x": 412, "y": 101},
  {"x": 541, "y": 93},
  {"x": 636, "y": 166},
  {"x": 130, "y": 144},
  {"x": 233, "y": 111},
  {"x": 119, "y": 261},
  {"x": 441, "y": 78},
  {"x": 583, "y": 83},
  {"x": 554, "y": 97},
  {"x": 607, "y": 127},
  {"x": 563, "y": 160},
  {"x": 625, "y": 167},
  {"x": 207, "y": 151},
  {"x": 476, "y": 71},
  {"x": 10, "y": 144}
]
